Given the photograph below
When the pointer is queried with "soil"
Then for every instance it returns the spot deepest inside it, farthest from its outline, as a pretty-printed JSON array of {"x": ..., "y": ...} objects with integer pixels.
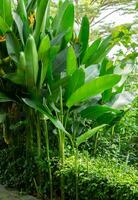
[{"x": 8, "y": 194}]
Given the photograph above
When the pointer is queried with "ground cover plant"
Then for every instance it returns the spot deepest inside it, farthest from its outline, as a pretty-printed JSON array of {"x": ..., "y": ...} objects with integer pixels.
[
  {"x": 100, "y": 179},
  {"x": 56, "y": 92}
]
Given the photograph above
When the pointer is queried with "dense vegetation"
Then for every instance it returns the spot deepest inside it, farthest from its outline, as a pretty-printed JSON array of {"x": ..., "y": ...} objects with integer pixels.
[{"x": 67, "y": 128}]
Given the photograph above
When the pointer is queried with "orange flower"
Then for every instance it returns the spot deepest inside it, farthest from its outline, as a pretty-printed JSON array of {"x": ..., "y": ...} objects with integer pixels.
[
  {"x": 2, "y": 38},
  {"x": 32, "y": 19}
]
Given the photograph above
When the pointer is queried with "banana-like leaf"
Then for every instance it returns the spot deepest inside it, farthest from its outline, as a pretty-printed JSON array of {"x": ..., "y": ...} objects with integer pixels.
[
  {"x": 31, "y": 57},
  {"x": 42, "y": 109},
  {"x": 44, "y": 47},
  {"x": 106, "y": 67},
  {"x": 13, "y": 46},
  {"x": 93, "y": 88},
  {"x": 22, "y": 10},
  {"x": 76, "y": 81},
  {"x": 110, "y": 118},
  {"x": 19, "y": 25},
  {"x": 58, "y": 39},
  {"x": 59, "y": 64},
  {"x": 97, "y": 51},
  {"x": 60, "y": 83},
  {"x": 93, "y": 112},
  {"x": 90, "y": 51},
  {"x": 67, "y": 22},
  {"x": 5, "y": 11},
  {"x": 40, "y": 14},
  {"x": 84, "y": 34},
  {"x": 3, "y": 26},
  {"x": 104, "y": 48},
  {"x": 58, "y": 18},
  {"x": 71, "y": 61},
  {"x": 21, "y": 67},
  {"x": 87, "y": 135},
  {"x": 17, "y": 78},
  {"x": 44, "y": 69},
  {"x": 21, "y": 20}
]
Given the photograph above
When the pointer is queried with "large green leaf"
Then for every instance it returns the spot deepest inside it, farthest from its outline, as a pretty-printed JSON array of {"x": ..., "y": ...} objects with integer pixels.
[
  {"x": 44, "y": 47},
  {"x": 22, "y": 10},
  {"x": 93, "y": 112},
  {"x": 3, "y": 26},
  {"x": 90, "y": 51},
  {"x": 71, "y": 61},
  {"x": 44, "y": 56},
  {"x": 17, "y": 78},
  {"x": 21, "y": 66},
  {"x": 19, "y": 25},
  {"x": 58, "y": 39},
  {"x": 97, "y": 51},
  {"x": 42, "y": 109},
  {"x": 5, "y": 11},
  {"x": 110, "y": 118},
  {"x": 59, "y": 64},
  {"x": 84, "y": 33},
  {"x": 85, "y": 136},
  {"x": 76, "y": 81},
  {"x": 40, "y": 14},
  {"x": 31, "y": 62},
  {"x": 13, "y": 46},
  {"x": 44, "y": 68},
  {"x": 93, "y": 88},
  {"x": 58, "y": 18},
  {"x": 67, "y": 22},
  {"x": 104, "y": 48}
]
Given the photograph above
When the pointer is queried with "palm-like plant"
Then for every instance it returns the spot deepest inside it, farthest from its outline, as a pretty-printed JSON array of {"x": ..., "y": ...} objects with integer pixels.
[{"x": 53, "y": 71}]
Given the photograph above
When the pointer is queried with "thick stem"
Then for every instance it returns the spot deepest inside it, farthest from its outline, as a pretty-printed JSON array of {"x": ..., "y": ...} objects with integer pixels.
[
  {"x": 29, "y": 133},
  {"x": 38, "y": 130}
]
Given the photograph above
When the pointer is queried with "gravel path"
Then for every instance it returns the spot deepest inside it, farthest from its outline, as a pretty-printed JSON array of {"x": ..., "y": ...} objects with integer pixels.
[{"x": 6, "y": 194}]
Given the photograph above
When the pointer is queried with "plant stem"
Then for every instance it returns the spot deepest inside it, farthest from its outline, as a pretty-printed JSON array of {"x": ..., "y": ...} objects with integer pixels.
[
  {"x": 31, "y": 131},
  {"x": 48, "y": 158},
  {"x": 38, "y": 130},
  {"x": 113, "y": 132},
  {"x": 62, "y": 143},
  {"x": 96, "y": 141},
  {"x": 76, "y": 169}
]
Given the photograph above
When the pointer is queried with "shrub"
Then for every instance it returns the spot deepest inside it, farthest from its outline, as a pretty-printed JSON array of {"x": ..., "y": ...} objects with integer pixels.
[{"x": 100, "y": 179}]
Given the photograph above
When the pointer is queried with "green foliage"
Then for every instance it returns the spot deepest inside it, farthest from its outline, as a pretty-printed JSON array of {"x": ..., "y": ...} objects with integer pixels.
[
  {"x": 71, "y": 61},
  {"x": 85, "y": 136},
  {"x": 99, "y": 179},
  {"x": 93, "y": 88},
  {"x": 50, "y": 77}
]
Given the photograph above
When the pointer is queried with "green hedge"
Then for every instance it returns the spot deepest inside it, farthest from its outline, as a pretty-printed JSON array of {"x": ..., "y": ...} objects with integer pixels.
[{"x": 99, "y": 179}]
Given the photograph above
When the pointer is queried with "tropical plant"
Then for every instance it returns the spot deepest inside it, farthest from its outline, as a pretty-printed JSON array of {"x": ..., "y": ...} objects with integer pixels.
[{"x": 50, "y": 74}]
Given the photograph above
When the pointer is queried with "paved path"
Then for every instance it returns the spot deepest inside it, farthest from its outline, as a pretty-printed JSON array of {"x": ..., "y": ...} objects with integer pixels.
[{"x": 6, "y": 194}]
